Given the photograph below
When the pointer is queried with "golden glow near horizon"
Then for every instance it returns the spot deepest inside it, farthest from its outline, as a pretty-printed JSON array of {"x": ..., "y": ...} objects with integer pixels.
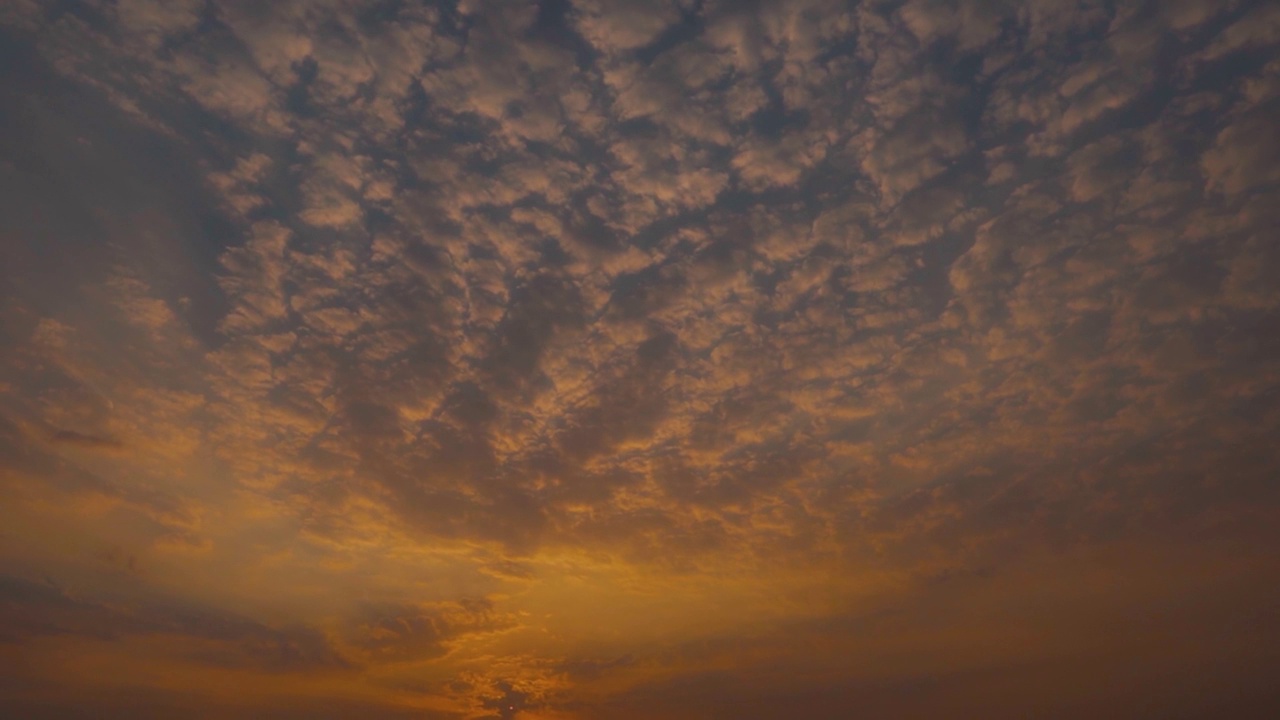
[{"x": 621, "y": 359}]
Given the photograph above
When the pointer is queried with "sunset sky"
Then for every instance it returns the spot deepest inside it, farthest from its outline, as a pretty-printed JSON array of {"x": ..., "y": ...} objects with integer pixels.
[{"x": 639, "y": 359}]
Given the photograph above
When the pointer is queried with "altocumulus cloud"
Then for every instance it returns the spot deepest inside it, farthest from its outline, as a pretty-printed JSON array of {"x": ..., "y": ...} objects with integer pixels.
[{"x": 606, "y": 358}]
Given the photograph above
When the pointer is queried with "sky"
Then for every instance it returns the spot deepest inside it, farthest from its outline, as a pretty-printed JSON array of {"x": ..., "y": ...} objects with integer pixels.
[{"x": 621, "y": 359}]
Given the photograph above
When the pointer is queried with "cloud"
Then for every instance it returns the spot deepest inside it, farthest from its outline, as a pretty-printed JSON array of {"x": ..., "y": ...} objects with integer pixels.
[
  {"x": 45, "y": 609},
  {"x": 620, "y": 25},
  {"x": 972, "y": 24},
  {"x": 1101, "y": 167},
  {"x": 917, "y": 148},
  {"x": 157, "y": 21},
  {"x": 255, "y": 280},
  {"x": 425, "y": 631},
  {"x": 1259, "y": 26},
  {"x": 1243, "y": 156},
  {"x": 79, "y": 439},
  {"x": 626, "y": 359}
]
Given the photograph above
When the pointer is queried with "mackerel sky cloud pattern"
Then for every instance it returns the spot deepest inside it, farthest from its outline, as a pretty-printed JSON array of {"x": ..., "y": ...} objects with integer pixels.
[{"x": 576, "y": 359}]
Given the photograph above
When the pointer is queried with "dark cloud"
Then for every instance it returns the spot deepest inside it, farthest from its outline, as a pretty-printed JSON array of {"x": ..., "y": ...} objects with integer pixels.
[
  {"x": 97, "y": 442},
  {"x": 42, "y": 608},
  {"x": 43, "y": 701}
]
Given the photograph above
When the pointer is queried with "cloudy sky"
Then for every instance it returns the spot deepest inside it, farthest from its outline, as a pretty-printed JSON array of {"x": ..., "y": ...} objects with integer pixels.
[{"x": 630, "y": 359}]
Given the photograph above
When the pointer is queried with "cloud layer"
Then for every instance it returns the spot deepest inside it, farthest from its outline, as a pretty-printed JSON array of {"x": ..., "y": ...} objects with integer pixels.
[{"x": 499, "y": 358}]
